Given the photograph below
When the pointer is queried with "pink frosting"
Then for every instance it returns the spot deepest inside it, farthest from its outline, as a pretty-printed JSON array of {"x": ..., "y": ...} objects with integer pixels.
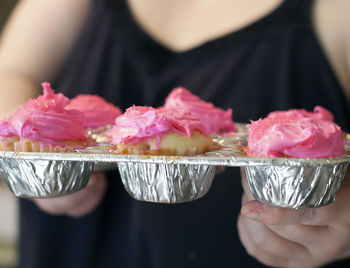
[
  {"x": 215, "y": 119},
  {"x": 45, "y": 119},
  {"x": 318, "y": 113},
  {"x": 98, "y": 111},
  {"x": 140, "y": 123},
  {"x": 296, "y": 133}
]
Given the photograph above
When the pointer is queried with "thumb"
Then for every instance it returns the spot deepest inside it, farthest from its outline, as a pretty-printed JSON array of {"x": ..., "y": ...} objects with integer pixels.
[{"x": 275, "y": 215}]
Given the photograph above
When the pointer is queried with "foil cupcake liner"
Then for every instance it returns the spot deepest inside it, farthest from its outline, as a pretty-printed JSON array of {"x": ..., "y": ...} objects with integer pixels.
[
  {"x": 166, "y": 183},
  {"x": 44, "y": 178},
  {"x": 296, "y": 186}
]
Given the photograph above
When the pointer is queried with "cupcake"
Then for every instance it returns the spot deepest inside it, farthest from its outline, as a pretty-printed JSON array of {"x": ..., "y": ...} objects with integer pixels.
[
  {"x": 150, "y": 131},
  {"x": 216, "y": 120},
  {"x": 43, "y": 125},
  {"x": 98, "y": 112},
  {"x": 318, "y": 113},
  {"x": 296, "y": 133}
]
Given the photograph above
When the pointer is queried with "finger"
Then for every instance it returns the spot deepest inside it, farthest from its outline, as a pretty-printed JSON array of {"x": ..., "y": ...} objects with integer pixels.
[
  {"x": 307, "y": 235},
  {"x": 284, "y": 216},
  {"x": 244, "y": 199},
  {"x": 62, "y": 205},
  {"x": 92, "y": 196},
  {"x": 346, "y": 180},
  {"x": 322, "y": 242},
  {"x": 252, "y": 250},
  {"x": 268, "y": 247},
  {"x": 270, "y": 242},
  {"x": 332, "y": 215},
  {"x": 220, "y": 169},
  {"x": 57, "y": 205}
]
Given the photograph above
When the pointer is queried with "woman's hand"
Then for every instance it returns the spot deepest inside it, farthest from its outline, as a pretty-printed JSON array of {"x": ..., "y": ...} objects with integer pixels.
[
  {"x": 283, "y": 237},
  {"x": 79, "y": 203}
]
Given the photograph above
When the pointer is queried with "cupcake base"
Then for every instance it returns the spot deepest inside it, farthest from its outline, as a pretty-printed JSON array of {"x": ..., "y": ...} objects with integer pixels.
[{"x": 171, "y": 144}]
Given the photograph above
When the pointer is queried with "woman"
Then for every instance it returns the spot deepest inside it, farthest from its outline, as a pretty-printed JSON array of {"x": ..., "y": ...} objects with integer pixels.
[{"x": 254, "y": 56}]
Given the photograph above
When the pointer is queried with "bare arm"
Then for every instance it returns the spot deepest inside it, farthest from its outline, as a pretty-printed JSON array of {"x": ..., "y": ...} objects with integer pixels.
[
  {"x": 331, "y": 22},
  {"x": 34, "y": 45}
]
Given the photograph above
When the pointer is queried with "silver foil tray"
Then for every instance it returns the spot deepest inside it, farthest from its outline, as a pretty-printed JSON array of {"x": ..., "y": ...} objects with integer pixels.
[{"x": 284, "y": 182}]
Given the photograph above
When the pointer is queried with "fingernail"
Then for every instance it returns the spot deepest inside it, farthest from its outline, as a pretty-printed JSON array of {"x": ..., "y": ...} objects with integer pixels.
[{"x": 254, "y": 215}]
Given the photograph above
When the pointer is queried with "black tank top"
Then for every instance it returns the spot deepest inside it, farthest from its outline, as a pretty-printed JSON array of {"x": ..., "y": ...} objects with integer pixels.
[{"x": 272, "y": 64}]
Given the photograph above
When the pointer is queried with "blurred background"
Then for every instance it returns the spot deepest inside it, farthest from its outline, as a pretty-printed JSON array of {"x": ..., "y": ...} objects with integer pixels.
[
  {"x": 5, "y": 8},
  {"x": 8, "y": 202}
]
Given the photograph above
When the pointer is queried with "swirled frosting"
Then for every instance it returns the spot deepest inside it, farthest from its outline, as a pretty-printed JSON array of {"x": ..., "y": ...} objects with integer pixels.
[
  {"x": 140, "y": 123},
  {"x": 98, "y": 111},
  {"x": 45, "y": 119},
  {"x": 296, "y": 133},
  {"x": 318, "y": 113},
  {"x": 215, "y": 119}
]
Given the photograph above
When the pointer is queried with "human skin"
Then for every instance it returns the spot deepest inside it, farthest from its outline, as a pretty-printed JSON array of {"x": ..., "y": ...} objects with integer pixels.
[
  {"x": 79, "y": 203},
  {"x": 315, "y": 236},
  {"x": 33, "y": 48},
  {"x": 30, "y": 55}
]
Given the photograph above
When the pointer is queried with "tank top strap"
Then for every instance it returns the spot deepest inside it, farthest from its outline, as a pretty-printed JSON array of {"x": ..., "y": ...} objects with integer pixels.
[{"x": 298, "y": 11}]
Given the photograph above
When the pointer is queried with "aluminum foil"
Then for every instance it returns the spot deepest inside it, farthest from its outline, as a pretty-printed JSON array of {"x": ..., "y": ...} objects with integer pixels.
[
  {"x": 296, "y": 187},
  {"x": 284, "y": 182},
  {"x": 166, "y": 183},
  {"x": 44, "y": 178},
  {"x": 100, "y": 134}
]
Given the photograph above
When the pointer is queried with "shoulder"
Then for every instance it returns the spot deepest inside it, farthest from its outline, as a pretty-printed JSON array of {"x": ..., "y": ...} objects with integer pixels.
[
  {"x": 331, "y": 23},
  {"x": 38, "y": 30},
  {"x": 332, "y": 16}
]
